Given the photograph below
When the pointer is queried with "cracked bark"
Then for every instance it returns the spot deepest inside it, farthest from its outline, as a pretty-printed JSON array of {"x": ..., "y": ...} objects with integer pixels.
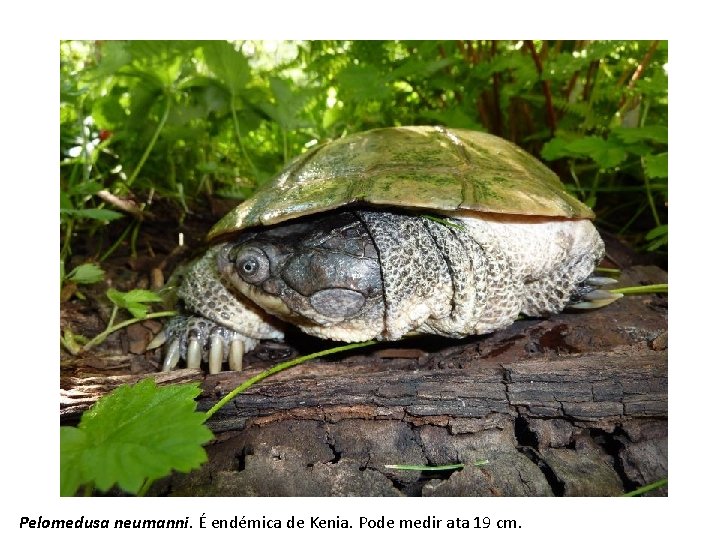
[
  {"x": 568, "y": 406},
  {"x": 571, "y": 405}
]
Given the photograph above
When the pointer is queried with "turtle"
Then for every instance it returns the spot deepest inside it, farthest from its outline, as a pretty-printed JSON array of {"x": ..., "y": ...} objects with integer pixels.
[{"x": 388, "y": 233}]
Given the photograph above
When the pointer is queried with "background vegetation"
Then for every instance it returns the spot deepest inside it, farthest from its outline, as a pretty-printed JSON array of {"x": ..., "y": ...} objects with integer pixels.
[{"x": 181, "y": 122}]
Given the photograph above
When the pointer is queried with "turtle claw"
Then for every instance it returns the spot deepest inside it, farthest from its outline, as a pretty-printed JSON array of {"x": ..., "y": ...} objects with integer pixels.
[
  {"x": 172, "y": 355},
  {"x": 600, "y": 281},
  {"x": 596, "y": 299},
  {"x": 237, "y": 350},
  {"x": 216, "y": 354},
  {"x": 158, "y": 340},
  {"x": 194, "y": 353}
]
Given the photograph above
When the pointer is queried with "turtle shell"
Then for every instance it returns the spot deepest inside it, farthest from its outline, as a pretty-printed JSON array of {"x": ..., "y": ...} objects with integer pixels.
[{"x": 416, "y": 167}]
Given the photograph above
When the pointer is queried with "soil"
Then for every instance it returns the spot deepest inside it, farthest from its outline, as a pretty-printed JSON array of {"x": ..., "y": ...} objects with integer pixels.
[{"x": 572, "y": 405}]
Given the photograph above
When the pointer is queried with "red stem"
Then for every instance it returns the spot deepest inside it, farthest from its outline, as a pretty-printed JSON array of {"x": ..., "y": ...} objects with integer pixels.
[{"x": 549, "y": 110}]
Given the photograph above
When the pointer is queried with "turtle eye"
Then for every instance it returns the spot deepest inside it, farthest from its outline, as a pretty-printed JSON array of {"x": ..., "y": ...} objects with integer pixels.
[{"x": 252, "y": 265}]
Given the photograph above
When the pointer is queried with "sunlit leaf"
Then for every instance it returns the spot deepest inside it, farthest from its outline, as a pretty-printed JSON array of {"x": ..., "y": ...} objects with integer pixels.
[
  {"x": 362, "y": 83},
  {"x": 228, "y": 64},
  {"x": 134, "y": 434}
]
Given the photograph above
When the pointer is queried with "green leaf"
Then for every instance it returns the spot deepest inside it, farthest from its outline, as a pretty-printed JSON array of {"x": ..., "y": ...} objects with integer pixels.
[
  {"x": 73, "y": 442},
  {"x": 288, "y": 108},
  {"x": 141, "y": 295},
  {"x": 134, "y": 434},
  {"x": 86, "y": 188},
  {"x": 100, "y": 214},
  {"x": 363, "y": 83},
  {"x": 454, "y": 118},
  {"x": 86, "y": 274},
  {"x": 66, "y": 203},
  {"x": 134, "y": 301},
  {"x": 657, "y": 237},
  {"x": 556, "y": 148},
  {"x": 228, "y": 65},
  {"x": 656, "y": 166},
  {"x": 656, "y": 232},
  {"x": 606, "y": 153},
  {"x": 658, "y": 134},
  {"x": 603, "y": 152}
]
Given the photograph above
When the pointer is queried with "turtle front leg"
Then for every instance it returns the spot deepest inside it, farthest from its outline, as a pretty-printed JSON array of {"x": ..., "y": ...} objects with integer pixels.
[
  {"x": 219, "y": 326},
  {"x": 197, "y": 339}
]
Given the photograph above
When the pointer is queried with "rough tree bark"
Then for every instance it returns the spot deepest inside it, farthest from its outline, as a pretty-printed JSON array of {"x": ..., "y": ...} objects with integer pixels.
[{"x": 571, "y": 405}]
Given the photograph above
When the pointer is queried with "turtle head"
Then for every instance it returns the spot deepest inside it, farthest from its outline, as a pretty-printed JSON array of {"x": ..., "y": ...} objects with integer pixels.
[{"x": 321, "y": 274}]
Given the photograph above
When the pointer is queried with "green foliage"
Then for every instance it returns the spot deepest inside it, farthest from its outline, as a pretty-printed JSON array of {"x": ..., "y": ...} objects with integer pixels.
[
  {"x": 182, "y": 120},
  {"x": 134, "y": 301},
  {"x": 86, "y": 274},
  {"x": 133, "y": 436}
]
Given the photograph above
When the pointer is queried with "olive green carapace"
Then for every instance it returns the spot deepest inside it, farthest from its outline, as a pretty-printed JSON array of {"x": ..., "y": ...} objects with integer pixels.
[{"x": 424, "y": 167}]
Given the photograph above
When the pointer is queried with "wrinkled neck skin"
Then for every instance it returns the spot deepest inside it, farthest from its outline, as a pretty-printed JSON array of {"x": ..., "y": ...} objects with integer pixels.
[{"x": 321, "y": 274}]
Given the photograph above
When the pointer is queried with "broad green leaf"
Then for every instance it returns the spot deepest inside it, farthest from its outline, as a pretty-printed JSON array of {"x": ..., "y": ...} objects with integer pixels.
[
  {"x": 73, "y": 442},
  {"x": 454, "y": 117},
  {"x": 114, "y": 56},
  {"x": 658, "y": 134},
  {"x": 656, "y": 166},
  {"x": 606, "y": 153},
  {"x": 362, "y": 83},
  {"x": 135, "y": 433},
  {"x": 86, "y": 274},
  {"x": 556, "y": 148},
  {"x": 228, "y": 65},
  {"x": 289, "y": 106},
  {"x": 603, "y": 152},
  {"x": 107, "y": 111}
]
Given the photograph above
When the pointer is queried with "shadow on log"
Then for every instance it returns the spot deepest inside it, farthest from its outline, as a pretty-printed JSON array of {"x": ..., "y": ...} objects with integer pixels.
[{"x": 567, "y": 406}]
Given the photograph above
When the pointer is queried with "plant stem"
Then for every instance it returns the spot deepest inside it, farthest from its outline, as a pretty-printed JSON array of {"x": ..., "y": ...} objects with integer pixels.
[
  {"x": 145, "y": 487},
  {"x": 645, "y": 489},
  {"x": 276, "y": 369},
  {"x": 109, "y": 330},
  {"x": 236, "y": 124},
  {"x": 112, "y": 316},
  {"x": 117, "y": 243},
  {"x": 643, "y": 289},
  {"x": 152, "y": 142},
  {"x": 549, "y": 109},
  {"x": 650, "y": 195},
  {"x": 65, "y": 251},
  {"x": 133, "y": 240},
  {"x": 638, "y": 73},
  {"x": 637, "y": 214},
  {"x": 285, "y": 145}
]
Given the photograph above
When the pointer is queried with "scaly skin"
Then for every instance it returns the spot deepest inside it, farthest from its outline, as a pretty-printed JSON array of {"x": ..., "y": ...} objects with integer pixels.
[{"x": 371, "y": 274}]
